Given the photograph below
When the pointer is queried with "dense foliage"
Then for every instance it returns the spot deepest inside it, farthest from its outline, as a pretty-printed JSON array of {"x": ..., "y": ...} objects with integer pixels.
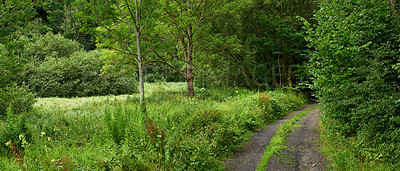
[
  {"x": 254, "y": 44},
  {"x": 48, "y": 49},
  {"x": 356, "y": 46},
  {"x": 59, "y": 67},
  {"x": 16, "y": 99}
]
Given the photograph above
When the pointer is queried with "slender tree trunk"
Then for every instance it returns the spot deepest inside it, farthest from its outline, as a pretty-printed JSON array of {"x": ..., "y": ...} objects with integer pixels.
[
  {"x": 290, "y": 77},
  {"x": 140, "y": 61},
  {"x": 274, "y": 81},
  {"x": 189, "y": 56},
  {"x": 141, "y": 74},
  {"x": 280, "y": 73},
  {"x": 190, "y": 78},
  {"x": 189, "y": 63}
]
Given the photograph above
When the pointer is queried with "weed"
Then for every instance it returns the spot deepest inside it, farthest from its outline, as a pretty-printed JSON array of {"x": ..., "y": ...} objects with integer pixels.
[{"x": 17, "y": 155}]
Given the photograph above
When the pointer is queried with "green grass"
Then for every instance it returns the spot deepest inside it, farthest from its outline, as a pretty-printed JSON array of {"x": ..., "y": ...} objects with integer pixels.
[
  {"x": 278, "y": 142},
  {"x": 109, "y": 132}
]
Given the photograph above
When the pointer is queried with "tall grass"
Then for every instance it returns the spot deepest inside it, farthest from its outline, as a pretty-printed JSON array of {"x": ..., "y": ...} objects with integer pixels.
[{"x": 109, "y": 132}]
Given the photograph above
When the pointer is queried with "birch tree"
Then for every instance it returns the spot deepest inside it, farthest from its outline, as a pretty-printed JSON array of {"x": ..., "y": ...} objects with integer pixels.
[{"x": 182, "y": 20}]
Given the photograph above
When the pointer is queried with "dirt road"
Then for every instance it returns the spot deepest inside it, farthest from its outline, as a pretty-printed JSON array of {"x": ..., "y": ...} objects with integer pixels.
[
  {"x": 300, "y": 155},
  {"x": 302, "y": 152}
]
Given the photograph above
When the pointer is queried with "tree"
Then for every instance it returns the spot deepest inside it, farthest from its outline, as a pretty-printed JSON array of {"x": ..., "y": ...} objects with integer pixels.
[
  {"x": 256, "y": 44},
  {"x": 355, "y": 46},
  {"x": 182, "y": 20},
  {"x": 58, "y": 16},
  {"x": 123, "y": 27},
  {"x": 14, "y": 16}
]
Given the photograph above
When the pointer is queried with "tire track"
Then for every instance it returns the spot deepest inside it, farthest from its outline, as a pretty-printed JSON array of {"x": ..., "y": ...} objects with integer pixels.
[{"x": 248, "y": 157}]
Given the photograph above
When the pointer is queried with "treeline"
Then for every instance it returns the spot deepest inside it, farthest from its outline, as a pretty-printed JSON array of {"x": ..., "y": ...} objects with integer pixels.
[
  {"x": 356, "y": 51},
  {"x": 252, "y": 44}
]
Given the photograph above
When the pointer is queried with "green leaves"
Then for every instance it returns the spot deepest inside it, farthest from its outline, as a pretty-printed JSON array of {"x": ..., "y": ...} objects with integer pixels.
[{"x": 356, "y": 46}]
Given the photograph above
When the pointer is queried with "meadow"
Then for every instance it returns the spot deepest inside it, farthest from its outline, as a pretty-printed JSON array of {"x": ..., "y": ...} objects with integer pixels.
[{"x": 110, "y": 132}]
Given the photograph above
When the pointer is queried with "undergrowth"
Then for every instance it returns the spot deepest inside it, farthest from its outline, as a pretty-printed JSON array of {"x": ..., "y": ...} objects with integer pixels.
[
  {"x": 110, "y": 133},
  {"x": 344, "y": 153}
]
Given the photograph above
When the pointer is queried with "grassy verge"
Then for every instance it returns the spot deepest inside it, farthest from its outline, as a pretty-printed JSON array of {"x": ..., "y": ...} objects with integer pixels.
[
  {"x": 344, "y": 154},
  {"x": 110, "y": 133},
  {"x": 278, "y": 142}
]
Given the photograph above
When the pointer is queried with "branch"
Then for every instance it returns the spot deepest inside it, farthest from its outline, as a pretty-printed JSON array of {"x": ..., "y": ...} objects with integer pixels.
[
  {"x": 170, "y": 67},
  {"x": 148, "y": 17},
  {"x": 200, "y": 19},
  {"x": 130, "y": 13},
  {"x": 2, "y": 15},
  {"x": 126, "y": 19},
  {"x": 116, "y": 39}
]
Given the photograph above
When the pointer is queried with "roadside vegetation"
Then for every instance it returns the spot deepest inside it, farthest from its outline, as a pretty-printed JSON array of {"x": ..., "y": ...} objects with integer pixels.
[
  {"x": 110, "y": 132},
  {"x": 354, "y": 74}
]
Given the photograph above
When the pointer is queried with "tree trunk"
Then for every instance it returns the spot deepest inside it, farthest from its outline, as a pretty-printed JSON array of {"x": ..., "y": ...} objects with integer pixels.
[
  {"x": 280, "y": 73},
  {"x": 141, "y": 74},
  {"x": 189, "y": 63},
  {"x": 140, "y": 62},
  {"x": 190, "y": 79}
]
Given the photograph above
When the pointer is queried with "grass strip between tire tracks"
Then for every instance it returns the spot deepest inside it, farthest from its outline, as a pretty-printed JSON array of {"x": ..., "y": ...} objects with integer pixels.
[{"x": 278, "y": 142}]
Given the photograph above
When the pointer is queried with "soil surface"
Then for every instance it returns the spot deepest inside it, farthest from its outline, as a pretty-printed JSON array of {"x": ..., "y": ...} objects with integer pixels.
[
  {"x": 302, "y": 152},
  {"x": 248, "y": 157}
]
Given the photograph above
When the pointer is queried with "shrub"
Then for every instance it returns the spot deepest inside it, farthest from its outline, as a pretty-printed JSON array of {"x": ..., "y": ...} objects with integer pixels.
[
  {"x": 51, "y": 45},
  {"x": 59, "y": 67},
  {"x": 16, "y": 98},
  {"x": 78, "y": 75}
]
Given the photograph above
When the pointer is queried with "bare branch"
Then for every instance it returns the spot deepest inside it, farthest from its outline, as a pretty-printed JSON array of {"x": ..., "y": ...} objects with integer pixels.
[{"x": 170, "y": 67}]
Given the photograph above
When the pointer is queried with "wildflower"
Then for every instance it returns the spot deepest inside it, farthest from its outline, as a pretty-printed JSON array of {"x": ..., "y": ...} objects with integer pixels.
[
  {"x": 49, "y": 138},
  {"x": 43, "y": 134}
]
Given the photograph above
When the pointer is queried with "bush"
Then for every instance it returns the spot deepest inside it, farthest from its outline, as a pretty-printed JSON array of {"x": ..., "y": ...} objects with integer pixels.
[
  {"x": 51, "y": 45},
  {"x": 78, "y": 75},
  {"x": 18, "y": 99}
]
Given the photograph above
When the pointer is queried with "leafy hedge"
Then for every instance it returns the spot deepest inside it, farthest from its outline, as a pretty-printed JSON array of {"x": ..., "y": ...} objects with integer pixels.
[{"x": 356, "y": 46}]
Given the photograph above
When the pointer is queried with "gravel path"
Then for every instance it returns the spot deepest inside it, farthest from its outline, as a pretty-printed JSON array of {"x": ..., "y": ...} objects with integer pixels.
[
  {"x": 302, "y": 152},
  {"x": 248, "y": 157}
]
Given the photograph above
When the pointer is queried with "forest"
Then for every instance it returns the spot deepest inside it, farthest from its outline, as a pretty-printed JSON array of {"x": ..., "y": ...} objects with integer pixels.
[{"x": 181, "y": 84}]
